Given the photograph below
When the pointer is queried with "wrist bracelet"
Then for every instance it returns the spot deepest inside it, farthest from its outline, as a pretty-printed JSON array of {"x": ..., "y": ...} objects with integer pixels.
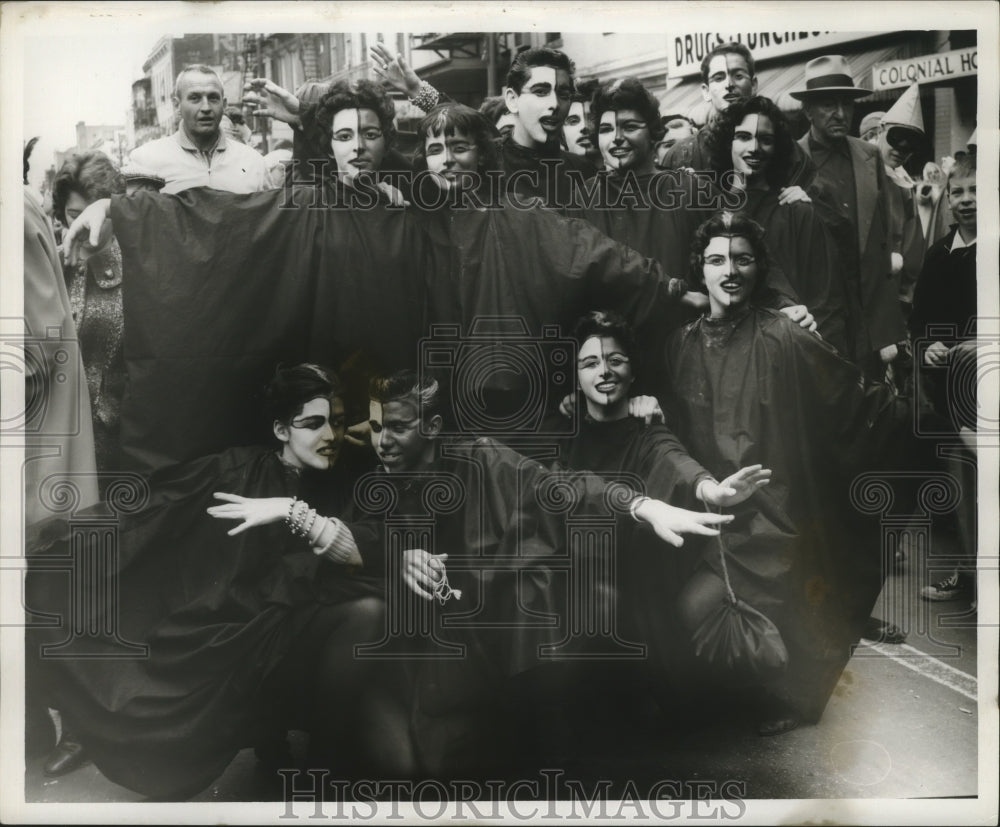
[
  {"x": 426, "y": 98},
  {"x": 309, "y": 523},
  {"x": 635, "y": 506},
  {"x": 291, "y": 508}
]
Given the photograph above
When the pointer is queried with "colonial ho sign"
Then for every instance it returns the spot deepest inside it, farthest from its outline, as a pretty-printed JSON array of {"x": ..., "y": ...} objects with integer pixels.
[{"x": 925, "y": 69}]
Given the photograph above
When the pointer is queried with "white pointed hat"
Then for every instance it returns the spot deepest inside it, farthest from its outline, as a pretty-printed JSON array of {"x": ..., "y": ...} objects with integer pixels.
[{"x": 906, "y": 114}]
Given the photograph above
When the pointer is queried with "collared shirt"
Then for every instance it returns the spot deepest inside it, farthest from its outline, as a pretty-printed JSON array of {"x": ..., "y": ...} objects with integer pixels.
[
  {"x": 958, "y": 243},
  {"x": 229, "y": 165},
  {"x": 835, "y": 167}
]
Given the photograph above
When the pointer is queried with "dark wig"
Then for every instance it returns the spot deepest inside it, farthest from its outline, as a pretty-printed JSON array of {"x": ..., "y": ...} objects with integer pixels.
[
  {"x": 361, "y": 94},
  {"x": 722, "y": 129},
  {"x": 91, "y": 174},
  {"x": 524, "y": 62},
  {"x": 584, "y": 90},
  {"x": 292, "y": 387},
  {"x": 731, "y": 225},
  {"x": 449, "y": 118},
  {"x": 608, "y": 323},
  {"x": 628, "y": 93}
]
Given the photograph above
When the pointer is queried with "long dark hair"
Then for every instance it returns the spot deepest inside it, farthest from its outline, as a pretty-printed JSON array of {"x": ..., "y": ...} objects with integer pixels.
[{"x": 721, "y": 131}]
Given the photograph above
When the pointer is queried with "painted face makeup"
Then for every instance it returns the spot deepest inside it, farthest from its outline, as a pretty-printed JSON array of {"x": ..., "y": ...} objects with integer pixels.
[
  {"x": 542, "y": 106},
  {"x": 313, "y": 438},
  {"x": 753, "y": 146},
  {"x": 357, "y": 142},
  {"x": 625, "y": 141},
  {"x": 396, "y": 436},
  {"x": 730, "y": 271},
  {"x": 729, "y": 80},
  {"x": 576, "y": 132},
  {"x": 453, "y": 160},
  {"x": 604, "y": 374}
]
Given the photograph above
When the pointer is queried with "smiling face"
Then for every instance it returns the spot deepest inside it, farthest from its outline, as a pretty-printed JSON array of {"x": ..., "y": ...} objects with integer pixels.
[
  {"x": 625, "y": 141},
  {"x": 753, "y": 146},
  {"x": 962, "y": 200},
  {"x": 575, "y": 130},
  {"x": 604, "y": 373},
  {"x": 357, "y": 142},
  {"x": 314, "y": 436},
  {"x": 451, "y": 159},
  {"x": 729, "y": 80},
  {"x": 397, "y": 437},
  {"x": 541, "y": 108},
  {"x": 730, "y": 271}
]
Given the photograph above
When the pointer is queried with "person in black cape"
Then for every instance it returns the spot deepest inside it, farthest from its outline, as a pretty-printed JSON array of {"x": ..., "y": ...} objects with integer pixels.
[
  {"x": 479, "y": 527},
  {"x": 211, "y": 641},
  {"x": 748, "y": 387},
  {"x": 752, "y": 153},
  {"x": 612, "y": 443}
]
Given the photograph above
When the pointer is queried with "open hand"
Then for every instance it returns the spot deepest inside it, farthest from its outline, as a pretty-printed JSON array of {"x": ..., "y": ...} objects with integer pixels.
[
  {"x": 670, "y": 522},
  {"x": 394, "y": 70},
  {"x": 735, "y": 488},
  {"x": 266, "y": 98},
  {"x": 253, "y": 511}
]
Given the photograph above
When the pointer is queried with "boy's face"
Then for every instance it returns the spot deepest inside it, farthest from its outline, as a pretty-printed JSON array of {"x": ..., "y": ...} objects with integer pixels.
[
  {"x": 962, "y": 200},
  {"x": 542, "y": 106}
]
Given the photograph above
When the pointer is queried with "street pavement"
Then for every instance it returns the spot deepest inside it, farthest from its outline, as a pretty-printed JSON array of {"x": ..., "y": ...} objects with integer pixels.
[{"x": 902, "y": 724}]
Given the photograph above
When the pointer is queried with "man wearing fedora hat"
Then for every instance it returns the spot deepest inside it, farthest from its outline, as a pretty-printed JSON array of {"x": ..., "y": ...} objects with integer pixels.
[{"x": 853, "y": 175}]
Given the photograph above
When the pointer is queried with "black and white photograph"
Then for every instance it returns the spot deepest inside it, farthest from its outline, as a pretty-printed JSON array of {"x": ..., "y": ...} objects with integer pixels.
[{"x": 588, "y": 412}]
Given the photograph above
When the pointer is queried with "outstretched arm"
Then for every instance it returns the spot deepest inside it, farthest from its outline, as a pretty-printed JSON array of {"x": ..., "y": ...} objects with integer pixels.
[{"x": 328, "y": 536}]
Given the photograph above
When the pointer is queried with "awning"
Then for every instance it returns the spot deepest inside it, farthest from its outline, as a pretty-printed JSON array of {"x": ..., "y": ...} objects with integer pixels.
[{"x": 777, "y": 80}]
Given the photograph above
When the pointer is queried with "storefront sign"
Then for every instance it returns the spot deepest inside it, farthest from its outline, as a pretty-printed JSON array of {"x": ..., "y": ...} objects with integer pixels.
[
  {"x": 925, "y": 69},
  {"x": 687, "y": 49}
]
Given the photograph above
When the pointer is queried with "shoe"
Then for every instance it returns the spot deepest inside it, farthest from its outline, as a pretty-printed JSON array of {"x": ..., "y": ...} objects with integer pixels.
[
  {"x": 951, "y": 588},
  {"x": 68, "y": 755},
  {"x": 881, "y": 631}
]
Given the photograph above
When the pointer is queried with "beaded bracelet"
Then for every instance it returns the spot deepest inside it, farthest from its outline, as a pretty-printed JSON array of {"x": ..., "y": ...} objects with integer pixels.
[
  {"x": 426, "y": 98},
  {"x": 299, "y": 519},
  {"x": 312, "y": 520},
  {"x": 291, "y": 508}
]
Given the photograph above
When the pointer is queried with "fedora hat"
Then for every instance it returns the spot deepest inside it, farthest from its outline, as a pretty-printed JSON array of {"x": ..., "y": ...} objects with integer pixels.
[{"x": 829, "y": 74}]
